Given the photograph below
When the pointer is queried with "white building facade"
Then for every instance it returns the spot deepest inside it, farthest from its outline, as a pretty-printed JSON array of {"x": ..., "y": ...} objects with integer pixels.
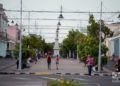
[{"x": 113, "y": 43}]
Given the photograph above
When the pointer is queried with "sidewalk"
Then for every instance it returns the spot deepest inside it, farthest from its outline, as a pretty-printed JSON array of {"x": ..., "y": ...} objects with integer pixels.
[
  {"x": 6, "y": 63},
  {"x": 65, "y": 66},
  {"x": 109, "y": 67}
]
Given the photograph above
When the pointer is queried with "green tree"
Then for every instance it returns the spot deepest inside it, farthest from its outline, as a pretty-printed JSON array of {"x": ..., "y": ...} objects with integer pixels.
[
  {"x": 30, "y": 44},
  {"x": 70, "y": 43},
  {"x": 90, "y": 44}
]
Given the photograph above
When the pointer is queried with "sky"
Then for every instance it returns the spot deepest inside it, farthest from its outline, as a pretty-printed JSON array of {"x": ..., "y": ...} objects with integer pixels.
[{"x": 47, "y": 28}]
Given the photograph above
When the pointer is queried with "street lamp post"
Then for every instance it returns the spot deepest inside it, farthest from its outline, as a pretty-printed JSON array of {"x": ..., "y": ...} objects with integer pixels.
[{"x": 56, "y": 46}]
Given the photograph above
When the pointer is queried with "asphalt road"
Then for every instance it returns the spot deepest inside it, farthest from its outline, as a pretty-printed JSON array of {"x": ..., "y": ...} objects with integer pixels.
[
  {"x": 21, "y": 80},
  {"x": 66, "y": 66},
  {"x": 33, "y": 80},
  {"x": 89, "y": 80}
]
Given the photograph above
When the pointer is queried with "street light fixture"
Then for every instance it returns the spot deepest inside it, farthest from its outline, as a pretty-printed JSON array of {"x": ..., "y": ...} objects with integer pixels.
[
  {"x": 12, "y": 22},
  {"x": 119, "y": 16},
  {"x": 59, "y": 24},
  {"x": 57, "y": 28},
  {"x": 16, "y": 24},
  {"x": 61, "y": 16}
]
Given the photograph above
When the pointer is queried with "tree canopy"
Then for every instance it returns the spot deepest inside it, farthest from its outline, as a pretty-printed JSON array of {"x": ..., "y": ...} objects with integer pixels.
[
  {"x": 30, "y": 44},
  {"x": 87, "y": 44}
]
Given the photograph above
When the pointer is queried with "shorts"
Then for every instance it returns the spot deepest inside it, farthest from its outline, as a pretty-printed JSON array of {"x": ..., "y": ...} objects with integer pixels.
[{"x": 57, "y": 62}]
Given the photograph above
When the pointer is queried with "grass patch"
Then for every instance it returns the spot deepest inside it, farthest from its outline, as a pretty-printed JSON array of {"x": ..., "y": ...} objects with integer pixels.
[{"x": 64, "y": 83}]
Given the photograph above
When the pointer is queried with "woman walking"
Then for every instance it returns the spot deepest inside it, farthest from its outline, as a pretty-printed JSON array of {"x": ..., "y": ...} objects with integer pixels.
[
  {"x": 90, "y": 62},
  {"x": 57, "y": 62}
]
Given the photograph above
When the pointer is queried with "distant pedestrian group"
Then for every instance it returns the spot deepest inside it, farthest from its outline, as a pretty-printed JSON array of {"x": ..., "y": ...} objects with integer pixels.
[{"x": 49, "y": 60}]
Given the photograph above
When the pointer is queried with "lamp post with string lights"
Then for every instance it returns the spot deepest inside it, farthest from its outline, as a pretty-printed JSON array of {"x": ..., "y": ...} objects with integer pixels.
[{"x": 56, "y": 45}]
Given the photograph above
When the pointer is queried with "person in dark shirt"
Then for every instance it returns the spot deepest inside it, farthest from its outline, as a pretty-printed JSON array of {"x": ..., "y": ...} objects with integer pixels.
[
  {"x": 118, "y": 65},
  {"x": 49, "y": 62}
]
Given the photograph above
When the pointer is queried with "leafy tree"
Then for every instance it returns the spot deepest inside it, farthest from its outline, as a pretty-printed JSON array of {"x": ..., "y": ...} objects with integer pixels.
[
  {"x": 70, "y": 43},
  {"x": 90, "y": 44},
  {"x": 87, "y": 44},
  {"x": 30, "y": 44}
]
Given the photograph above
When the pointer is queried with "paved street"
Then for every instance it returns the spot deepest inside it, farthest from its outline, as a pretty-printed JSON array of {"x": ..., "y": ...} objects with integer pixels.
[
  {"x": 33, "y": 80},
  {"x": 21, "y": 80},
  {"x": 68, "y": 68}
]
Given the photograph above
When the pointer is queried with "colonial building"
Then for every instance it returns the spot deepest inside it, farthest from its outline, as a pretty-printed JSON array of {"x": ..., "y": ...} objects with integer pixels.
[
  {"x": 12, "y": 36},
  {"x": 3, "y": 32},
  {"x": 114, "y": 42}
]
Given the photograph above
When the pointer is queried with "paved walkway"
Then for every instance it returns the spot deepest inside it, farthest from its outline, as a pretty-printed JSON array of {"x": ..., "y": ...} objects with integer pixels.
[
  {"x": 110, "y": 67},
  {"x": 65, "y": 66},
  {"x": 6, "y": 63}
]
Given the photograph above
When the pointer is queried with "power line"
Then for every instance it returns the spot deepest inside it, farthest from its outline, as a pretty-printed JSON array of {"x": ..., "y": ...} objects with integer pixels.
[
  {"x": 38, "y": 11},
  {"x": 50, "y": 26},
  {"x": 48, "y": 19}
]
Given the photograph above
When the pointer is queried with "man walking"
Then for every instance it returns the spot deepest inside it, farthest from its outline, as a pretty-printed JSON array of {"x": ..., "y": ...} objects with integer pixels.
[{"x": 49, "y": 62}]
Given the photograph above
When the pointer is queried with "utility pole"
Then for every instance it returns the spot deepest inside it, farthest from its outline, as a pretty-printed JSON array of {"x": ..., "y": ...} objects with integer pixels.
[
  {"x": 20, "y": 41},
  {"x": 99, "y": 57},
  {"x": 28, "y": 23}
]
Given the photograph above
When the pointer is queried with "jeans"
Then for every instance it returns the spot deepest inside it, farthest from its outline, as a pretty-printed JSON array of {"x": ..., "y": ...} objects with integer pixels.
[
  {"x": 89, "y": 69},
  {"x": 49, "y": 65}
]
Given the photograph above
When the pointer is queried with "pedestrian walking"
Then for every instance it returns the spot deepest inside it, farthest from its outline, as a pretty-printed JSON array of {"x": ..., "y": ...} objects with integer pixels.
[
  {"x": 28, "y": 62},
  {"x": 38, "y": 55},
  {"x": 117, "y": 65},
  {"x": 49, "y": 62},
  {"x": 57, "y": 61},
  {"x": 17, "y": 63},
  {"x": 90, "y": 62}
]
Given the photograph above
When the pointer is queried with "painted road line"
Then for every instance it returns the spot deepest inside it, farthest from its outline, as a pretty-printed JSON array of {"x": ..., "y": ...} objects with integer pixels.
[
  {"x": 49, "y": 78},
  {"x": 41, "y": 73}
]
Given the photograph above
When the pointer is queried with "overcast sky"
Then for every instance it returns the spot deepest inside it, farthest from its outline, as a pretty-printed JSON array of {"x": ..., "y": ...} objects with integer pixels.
[{"x": 54, "y": 5}]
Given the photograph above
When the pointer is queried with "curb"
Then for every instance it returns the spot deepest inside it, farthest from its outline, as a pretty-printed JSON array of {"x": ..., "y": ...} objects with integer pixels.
[
  {"x": 15, "y": 73},
  {"x": 46, "y": 73},
  {"x": 95, "y": 74}
]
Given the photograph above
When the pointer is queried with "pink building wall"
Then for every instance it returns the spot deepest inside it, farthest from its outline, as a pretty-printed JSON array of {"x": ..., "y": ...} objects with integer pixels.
[
  {"x": 12, "y": 33},
  {"x": 12, "y": 36}
]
